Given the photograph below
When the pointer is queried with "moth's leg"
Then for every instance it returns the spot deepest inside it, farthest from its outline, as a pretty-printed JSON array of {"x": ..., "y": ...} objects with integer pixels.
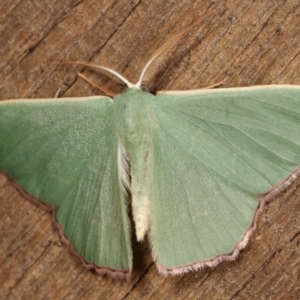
[
  {"x": 57, "y": 93},
  {"x": 213, "y": 85},
  {"x": 102, "y": 89},
  {"x": 202, "y": 88}
]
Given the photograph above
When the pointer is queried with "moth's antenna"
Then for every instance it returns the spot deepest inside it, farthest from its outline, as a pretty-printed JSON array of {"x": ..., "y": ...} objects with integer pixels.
[
  {"x": 158, "y": 56},
  {"x": 104, "y": 70},
  {"x": 149, "y": 69}
]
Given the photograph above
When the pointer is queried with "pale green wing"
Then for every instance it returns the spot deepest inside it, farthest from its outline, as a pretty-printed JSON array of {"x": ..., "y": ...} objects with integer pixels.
[
  {"x": 217, "y": 156},
  {"x": 65, "y": 153}
]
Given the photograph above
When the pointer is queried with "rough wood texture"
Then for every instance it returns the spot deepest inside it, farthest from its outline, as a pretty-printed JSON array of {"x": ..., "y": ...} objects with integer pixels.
[{"x": 243, "y": 42}]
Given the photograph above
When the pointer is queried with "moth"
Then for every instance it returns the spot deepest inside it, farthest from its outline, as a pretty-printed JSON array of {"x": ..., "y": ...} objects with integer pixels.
[{"x": 199, "y": 166}]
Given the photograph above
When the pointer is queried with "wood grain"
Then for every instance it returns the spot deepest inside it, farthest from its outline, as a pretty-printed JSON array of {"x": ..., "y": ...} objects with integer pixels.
[{"x": 243, "y": 43}]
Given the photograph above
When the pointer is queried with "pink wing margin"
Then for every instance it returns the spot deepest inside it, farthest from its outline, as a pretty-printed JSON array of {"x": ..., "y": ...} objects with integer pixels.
[
  {"x": 263, "y": 199},
  {"x": 116, "y": 274}
]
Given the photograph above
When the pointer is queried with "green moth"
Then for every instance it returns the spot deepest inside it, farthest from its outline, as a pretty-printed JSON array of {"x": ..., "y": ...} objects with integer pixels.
[{"x": 199, "y": 165}]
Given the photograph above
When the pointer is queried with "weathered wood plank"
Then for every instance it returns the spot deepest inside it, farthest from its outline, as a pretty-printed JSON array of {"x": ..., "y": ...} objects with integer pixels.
[{"x": 243, "y": 42}]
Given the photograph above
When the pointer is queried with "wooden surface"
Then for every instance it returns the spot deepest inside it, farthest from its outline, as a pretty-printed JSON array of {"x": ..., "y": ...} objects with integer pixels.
[{"x": 243, "y": 42}]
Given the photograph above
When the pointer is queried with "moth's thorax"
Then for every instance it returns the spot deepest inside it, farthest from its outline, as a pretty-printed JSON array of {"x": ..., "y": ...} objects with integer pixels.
[
  {"x": 134, "y": 121},
  {"x": 133, "y": 114}
]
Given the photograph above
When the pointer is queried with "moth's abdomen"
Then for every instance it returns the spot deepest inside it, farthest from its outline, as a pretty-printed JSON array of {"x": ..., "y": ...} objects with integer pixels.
[
  {"x": 135, "y": 130},
  {"x": 141, "y": 174}
]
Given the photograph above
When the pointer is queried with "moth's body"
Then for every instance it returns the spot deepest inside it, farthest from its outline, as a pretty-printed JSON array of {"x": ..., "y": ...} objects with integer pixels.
[{"x": 134, "y": 129}]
